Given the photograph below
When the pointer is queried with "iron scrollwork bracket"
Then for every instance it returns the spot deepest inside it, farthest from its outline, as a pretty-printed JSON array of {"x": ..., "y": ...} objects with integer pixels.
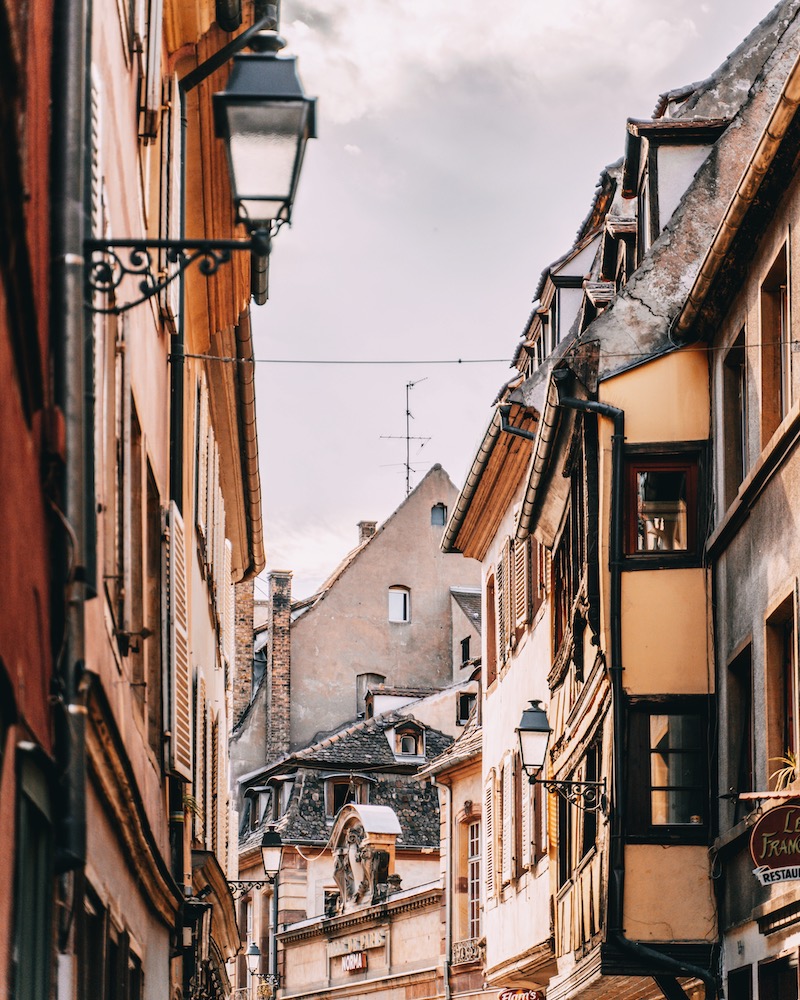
[
  {"x": 109, "y": 262},
  {"x": 240, "y": 889},
  {"x": 589, "y": 795}
]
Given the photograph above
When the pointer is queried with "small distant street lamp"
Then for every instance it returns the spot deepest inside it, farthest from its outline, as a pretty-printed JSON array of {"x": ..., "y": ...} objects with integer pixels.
[
  {"x": 533, "y": 733},
  {"x": 265, "y": 119},
  {"x": 252, "y": 957}
]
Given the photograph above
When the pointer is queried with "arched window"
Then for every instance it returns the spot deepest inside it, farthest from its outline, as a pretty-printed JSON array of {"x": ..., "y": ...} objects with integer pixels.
[
  {"x": 399, "y": 604},
  {"x": 439, "y": 514}
]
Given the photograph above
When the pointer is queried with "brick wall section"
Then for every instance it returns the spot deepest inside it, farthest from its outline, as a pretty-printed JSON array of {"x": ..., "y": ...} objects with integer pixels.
[
  {"x": 243, "y": 668},
  {"x": 366, "y": 529},
  {"x": 279, "y": 665}
]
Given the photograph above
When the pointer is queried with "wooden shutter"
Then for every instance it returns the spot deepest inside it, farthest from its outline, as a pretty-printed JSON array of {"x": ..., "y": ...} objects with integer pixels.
[
  {"x": 179, "y": 756},
  {"x": 151, "y": 98},
  {"x": 507, "y": 829},
  {"x": 521, "y": 582},
  {"x": 199, "y": 787},
  {"x": 488, "y": 833},
  {"x": 201, "y": 459},
  {"x": 524, "y": 789},
  {"x": 504, "y": 616}
]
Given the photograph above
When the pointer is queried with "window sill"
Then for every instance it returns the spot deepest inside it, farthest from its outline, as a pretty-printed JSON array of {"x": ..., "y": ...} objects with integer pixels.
[{"x": 772, "y": 457}]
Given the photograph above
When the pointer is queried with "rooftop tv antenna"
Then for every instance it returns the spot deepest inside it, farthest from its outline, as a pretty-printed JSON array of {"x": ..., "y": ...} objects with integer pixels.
[{"x": 408, "y": 437}]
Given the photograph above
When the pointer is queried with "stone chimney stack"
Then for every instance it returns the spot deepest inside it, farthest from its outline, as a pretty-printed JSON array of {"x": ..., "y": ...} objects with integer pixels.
[
  {"x": 279, "y": 663},
  {"x": 243, "y": 669},
  {"x": 366, "y": 529}
]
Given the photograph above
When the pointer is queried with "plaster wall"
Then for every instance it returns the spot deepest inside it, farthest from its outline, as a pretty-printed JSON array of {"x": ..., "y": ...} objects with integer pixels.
[
  {"x": 109, "y": 874},
  {"x": 348, "y": 632},
  {"x": 664, "y": 647},
  {"x": 519, "y": 916},
  {"x": 677, "y": 165},
  {"x": 659, "y": 880},
  {"x": 463, "y": 628}
]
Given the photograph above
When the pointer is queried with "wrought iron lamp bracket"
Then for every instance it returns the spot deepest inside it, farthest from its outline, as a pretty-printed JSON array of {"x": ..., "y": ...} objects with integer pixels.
[
  {"x": 240, "y": 889},
  {"x": 109, "y": 262},
  {"x": 267, "y": 985},
  {"x": 588, "y": 795}
]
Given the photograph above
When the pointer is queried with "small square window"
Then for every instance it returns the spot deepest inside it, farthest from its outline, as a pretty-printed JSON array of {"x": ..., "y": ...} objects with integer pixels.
[{"x": 661, "y": 506}]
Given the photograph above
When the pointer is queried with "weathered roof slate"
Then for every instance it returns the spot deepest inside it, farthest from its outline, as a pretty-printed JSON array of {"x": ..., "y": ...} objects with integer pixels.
[{"x": 470, "y": 603}]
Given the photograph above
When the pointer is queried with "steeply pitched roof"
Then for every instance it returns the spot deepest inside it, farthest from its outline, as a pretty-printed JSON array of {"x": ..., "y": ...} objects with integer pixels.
[{"x": 469, "y": 600}]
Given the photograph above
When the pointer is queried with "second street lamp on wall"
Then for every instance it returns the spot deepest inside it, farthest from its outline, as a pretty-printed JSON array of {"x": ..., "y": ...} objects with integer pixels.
[{"x": 533, "y": 733}]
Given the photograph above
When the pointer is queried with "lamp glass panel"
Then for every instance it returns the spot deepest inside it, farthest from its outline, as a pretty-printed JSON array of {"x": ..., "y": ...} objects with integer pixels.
[
  {"x": 264, "y": 139},
  {"x": 533, "y": 746}
]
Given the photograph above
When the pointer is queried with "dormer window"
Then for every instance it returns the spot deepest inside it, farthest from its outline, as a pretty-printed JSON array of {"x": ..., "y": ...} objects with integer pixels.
[
  {"x": 340, "y": 789},
  {"x": 409, "y": 740}
]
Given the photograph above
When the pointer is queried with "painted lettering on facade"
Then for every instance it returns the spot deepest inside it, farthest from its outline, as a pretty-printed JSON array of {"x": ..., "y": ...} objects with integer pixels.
[
  {"x": 359, "y": 942},
  {"x": 775, "y": 845},
  {"x": 354, "y": 961},
  {"x": 521, "y": 995}
]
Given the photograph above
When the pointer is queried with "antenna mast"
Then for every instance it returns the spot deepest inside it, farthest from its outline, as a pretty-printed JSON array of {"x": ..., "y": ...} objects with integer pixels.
[{"x": 409, "y": 437}]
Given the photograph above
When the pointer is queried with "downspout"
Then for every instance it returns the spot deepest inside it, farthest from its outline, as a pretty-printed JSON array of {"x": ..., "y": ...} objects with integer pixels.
[
  {"x": 448, "y": 885},
  {"x": 616, "y": 931},
  {"x": 272, "y": 967},
  {"x": 71, "y": 37}
]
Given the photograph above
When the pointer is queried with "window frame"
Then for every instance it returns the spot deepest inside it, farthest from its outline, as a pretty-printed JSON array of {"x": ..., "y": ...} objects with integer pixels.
[
  {"x": 405, "y": 594},
  {"x": 638, "y": 822},
  {"x": 689, "y": 456},
  {"x": 439, "y": 510}
]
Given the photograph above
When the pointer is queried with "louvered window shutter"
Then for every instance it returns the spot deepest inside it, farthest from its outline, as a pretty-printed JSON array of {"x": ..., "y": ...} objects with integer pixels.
[
  {"x": 525, "y": 817},
  {"x": 521, "y": 582},
  {"x": 151, "y": 110},
  {"x": 502, "y": 616},
  {"x": 488, "y": 832},
  {"x": 199, "y": 758},
  {"x": 507, "y": 831},
  {"x": 201, "y": 458},
  {"x": 229, "y": 632},
  {"x": 180, "y": 716}
]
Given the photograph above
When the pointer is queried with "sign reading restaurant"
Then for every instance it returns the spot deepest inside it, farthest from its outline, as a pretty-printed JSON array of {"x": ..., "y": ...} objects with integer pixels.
[{"x": 775, "y": 845}]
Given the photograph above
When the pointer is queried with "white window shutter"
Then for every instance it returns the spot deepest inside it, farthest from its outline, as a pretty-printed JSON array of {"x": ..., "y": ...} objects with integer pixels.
[
  {"x": 180, "y": 680},
  {"x": 229, "y": 632},
  {"x": 521, "y": 582},
  {"x": 507, "y": 832},
  {"x": 525, "y": 819},
  {"x": 201, "y": 458},
  {"x": 199, "y": 784},
  {"x": 502, "y": 618},
  {"x": 151, "y": 109},
  {"x": 488, "y": 833}
]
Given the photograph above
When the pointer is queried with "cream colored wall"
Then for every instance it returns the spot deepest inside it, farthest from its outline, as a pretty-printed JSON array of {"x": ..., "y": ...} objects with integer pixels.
[
  {"x": 665, "y": 649},
  {"x": 659, "y": 880},
  {"x": 308, "y": 964},
  {"x": 664, "y": 400},
  {"x": 519, "y": 915},
  {"x": 416, "y": 939}
]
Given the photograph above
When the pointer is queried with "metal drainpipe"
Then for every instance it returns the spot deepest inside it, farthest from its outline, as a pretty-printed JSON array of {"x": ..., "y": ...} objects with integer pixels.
[
  {"x": 448, "y": 887},
  {"x": 617, "y": 887},
  {"x": 272, "y": 967},
  {"x": 71, "y": 37}
]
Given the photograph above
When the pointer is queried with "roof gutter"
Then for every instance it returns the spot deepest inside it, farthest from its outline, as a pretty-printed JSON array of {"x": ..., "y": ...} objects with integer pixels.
[
  {"x": 248, "y": 434},
  {"x": 771, "y": 138},
  {"x": 468, "y": 490}
]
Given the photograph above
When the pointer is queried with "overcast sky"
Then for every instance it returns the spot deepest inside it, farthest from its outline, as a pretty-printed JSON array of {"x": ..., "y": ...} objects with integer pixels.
[{"x": 457, "y": 155}]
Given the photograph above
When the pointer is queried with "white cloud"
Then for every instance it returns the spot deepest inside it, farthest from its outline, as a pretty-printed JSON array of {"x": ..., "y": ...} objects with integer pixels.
[
  {"x": 365, "y": 57},
  {"x": 352, "y": 150}
]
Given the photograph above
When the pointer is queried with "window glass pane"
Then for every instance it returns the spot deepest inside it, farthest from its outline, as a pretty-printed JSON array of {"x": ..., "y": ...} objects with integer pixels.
[
  {"x": 676, "y": 769},
  {"x": 399, "y": 605},
  {"x": 438, "y": 514},
  {"x": 662, "y": 524}
]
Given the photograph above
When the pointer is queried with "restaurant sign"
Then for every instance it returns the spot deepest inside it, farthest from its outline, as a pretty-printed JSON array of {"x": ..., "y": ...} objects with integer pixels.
[
  {"x": 521, "y": 995},
  {"x": 354, "y": 961},
  {"x": 775, "y": 845}
]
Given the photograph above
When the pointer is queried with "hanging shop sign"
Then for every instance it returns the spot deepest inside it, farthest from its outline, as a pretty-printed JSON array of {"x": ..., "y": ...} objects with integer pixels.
[
  {"x": 354, "y": 961},
  {"x": 775, "y": 845},
  {"x": 521, "y": 995}
]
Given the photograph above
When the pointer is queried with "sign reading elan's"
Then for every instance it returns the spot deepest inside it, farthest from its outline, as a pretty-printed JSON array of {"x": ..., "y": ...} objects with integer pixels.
[{"x": 775, "y": 845}]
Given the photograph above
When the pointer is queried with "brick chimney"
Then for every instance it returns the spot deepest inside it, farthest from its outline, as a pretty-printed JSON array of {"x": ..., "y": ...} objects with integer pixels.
[
  {"x": 366, "y": 529},
  {"x": 243, "y": 669},
  {"x": 279, "y": 662}
]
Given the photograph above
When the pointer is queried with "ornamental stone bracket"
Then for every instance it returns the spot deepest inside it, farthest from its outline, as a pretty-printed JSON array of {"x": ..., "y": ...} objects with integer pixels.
[
  {"x": 363, "y": 848},
  {"x": 468, "y": 951}
]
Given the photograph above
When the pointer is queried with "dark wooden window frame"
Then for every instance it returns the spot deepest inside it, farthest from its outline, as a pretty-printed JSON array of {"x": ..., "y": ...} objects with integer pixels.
[
  {"x": 687, "y": 456},
  {"x": 639, "y": 828}
]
